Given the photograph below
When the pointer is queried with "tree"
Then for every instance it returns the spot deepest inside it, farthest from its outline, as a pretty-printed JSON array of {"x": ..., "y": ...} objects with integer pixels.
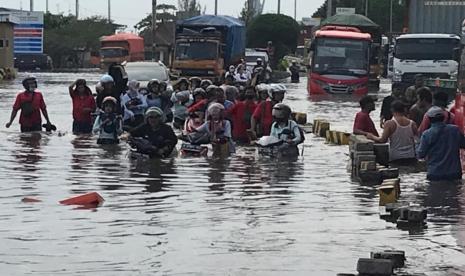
[
  {"x": 281, "y": 29},
  {"x": 166, "y": 14},
  {"x": 189, "y": 6},
  {"x": 64, "y": 35},
  {"x": 247, "y": 13}
]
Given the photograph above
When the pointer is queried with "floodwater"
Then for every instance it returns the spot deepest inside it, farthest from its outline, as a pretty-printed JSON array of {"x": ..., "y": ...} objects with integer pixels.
[{"x": 244, "y": 215}]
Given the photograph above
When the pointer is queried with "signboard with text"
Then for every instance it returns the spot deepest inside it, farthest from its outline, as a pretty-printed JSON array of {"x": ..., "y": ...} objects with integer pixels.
[
  {"x": 345, "y": 10},
  {"x": 29, "y": 32}
]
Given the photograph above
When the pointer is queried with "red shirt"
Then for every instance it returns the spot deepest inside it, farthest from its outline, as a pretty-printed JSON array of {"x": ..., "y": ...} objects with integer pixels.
[
  {"x": 81, "y": 102},
  {"x": 363, "y": 122},
  {"x": 38, "y": 104},
  {"x": 241, "y": 113},
  {"x": 263, "y": 114},
  {"x": 449, "y": 118}
]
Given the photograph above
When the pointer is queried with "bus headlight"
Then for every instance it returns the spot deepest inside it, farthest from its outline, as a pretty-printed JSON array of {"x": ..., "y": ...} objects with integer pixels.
[{"x": 322, "y": 84}]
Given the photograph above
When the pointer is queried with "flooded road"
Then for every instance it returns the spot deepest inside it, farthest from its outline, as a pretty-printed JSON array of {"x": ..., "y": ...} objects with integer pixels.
[{"x": 245, "y": 215}]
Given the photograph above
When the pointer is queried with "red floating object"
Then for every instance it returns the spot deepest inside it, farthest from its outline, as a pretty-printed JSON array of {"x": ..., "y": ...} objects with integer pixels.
[
  {"x": 87, "y": 199},
  {"x": 30, "y": 200}
]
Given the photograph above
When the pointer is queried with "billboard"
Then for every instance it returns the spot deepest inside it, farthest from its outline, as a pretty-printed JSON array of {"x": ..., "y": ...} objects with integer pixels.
[{"x": 29, "y": 32}]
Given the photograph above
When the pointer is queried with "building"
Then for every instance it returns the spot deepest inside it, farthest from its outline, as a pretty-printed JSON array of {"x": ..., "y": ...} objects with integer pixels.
[{"x": 7, "y": 22}]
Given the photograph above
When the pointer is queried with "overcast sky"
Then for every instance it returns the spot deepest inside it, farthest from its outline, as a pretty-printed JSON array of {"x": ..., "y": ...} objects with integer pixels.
[{"x": 129, "y": 12}]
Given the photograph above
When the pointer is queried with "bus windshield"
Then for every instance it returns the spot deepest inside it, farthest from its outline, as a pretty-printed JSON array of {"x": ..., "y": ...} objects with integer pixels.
[
  {"x": 196, "y": 51},
  {"x": 426, "y": 48},
  {"x": 341, "y": 56}
]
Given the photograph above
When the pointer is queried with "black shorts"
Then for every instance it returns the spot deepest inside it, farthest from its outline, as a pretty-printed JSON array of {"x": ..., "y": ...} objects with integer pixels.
[
  {"x": 37, "y": 127},
  {"x": 105, "y": 141},
  {"x": 82, "y": 127}
]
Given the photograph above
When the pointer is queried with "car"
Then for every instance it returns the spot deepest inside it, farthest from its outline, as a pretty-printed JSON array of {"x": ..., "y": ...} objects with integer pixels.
[
  {"x": 144, "y": 71},
  {"x": 25, "y": 62},
  {"x": 251, "y": 57}
]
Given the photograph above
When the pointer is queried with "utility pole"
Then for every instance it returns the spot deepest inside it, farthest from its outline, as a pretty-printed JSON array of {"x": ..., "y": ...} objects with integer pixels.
[
  {"x": 390, "y": 19},
  {"x": 329, "y": 10},
  {"x": 31, "y": 5},
  {"x": 295, "y": 10},
  {"x": 46, "y": 6},
  {"x": 279, "y": 6},
  {"x": 109, "y": 11},
  {"x": 216, "y": 7},
  {"x": 77, "y": 9},
  {"x": 154, "y": 27},
  {"x": 366, "y": 8}
]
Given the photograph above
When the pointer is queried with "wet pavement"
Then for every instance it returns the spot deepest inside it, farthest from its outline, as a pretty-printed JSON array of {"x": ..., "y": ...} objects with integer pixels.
[{"x": 246, "y": 215}]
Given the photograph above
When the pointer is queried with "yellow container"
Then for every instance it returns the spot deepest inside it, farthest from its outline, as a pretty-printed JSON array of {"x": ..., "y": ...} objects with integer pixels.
[
  {"x": 387, "y": 194},
  {"x": 394, "y": 182},
  {"x": 323, "y": 127},
  {"x": 328, "y": 136},
  {"x": 344, "y": 138}
]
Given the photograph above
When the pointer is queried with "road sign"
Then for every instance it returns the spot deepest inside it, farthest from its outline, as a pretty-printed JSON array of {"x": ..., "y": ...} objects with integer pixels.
[
  {"x": 29, "y": 32},
  {"x": 345, "y": 10}
]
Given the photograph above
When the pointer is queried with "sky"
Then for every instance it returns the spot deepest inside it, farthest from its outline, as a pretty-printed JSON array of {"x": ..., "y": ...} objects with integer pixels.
[{"x": 129, "y": 12}]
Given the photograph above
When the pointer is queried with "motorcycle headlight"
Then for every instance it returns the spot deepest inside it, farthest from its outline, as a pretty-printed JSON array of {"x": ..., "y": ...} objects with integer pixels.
[{"x": 397, "y": 77}]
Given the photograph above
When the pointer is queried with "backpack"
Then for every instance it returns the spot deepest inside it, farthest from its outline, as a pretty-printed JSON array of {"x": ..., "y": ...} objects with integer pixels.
[
  {"x": 302, "y": 135},
  {"x": 290, "y": 132}
]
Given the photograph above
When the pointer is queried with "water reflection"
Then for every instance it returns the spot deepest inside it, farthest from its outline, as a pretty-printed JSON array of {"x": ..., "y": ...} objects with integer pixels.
[{"x": 28, "y": 153}]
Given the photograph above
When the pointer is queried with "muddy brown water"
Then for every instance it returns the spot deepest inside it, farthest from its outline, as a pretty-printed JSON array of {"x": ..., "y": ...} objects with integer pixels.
[{"x": 245, "y": 215}]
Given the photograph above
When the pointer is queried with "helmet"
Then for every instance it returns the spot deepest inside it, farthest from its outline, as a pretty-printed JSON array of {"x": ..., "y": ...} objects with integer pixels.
[
  {"x": 109, "y": 99},
  {"x": 205, "y": 83},
  {"x": 276, "y": 88},
  {"x": 262, "y": 87},
  {"x": 210, "y": 88},
  {"x": 154, "y": 111},
  {"x": 215, "y": 108},
  {"x": 181, "y": 80},
  {"x": 27, "y": 79},
  {"x": 182, "y": 96},
  {"x": 106, "y": 79},
  {"x": 151, "y": 83},
  {"x": 199, "y": 91},
  {"x": 259, "y": 60},
  {"x": 191, "y": 79},
  {"x": 281, "y": 111}
]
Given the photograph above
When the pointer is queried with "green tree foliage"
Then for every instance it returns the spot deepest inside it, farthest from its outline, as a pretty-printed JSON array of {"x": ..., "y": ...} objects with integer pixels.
[
  {"x": 165, "y": 13},
  {"x": 64, "y": 35},
  {"x": 281, "y": 29}
]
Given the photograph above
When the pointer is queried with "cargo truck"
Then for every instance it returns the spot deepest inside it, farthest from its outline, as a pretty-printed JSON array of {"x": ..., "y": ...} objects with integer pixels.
[
  {"x": 435, "y": 56},
  {"x": 117, "y": 48},
  {"x": 206, "y": 45},
  {"x": 436, "y": 17}
]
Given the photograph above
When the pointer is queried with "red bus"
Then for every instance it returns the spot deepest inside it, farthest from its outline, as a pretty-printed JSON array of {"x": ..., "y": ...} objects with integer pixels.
[{"x": 340, "y": 61}]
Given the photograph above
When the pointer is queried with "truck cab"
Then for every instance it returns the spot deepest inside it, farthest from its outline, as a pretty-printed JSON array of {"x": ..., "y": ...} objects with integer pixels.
[
  {"x": 199, "y": 54},
  {"x": 435, "y": 56}
]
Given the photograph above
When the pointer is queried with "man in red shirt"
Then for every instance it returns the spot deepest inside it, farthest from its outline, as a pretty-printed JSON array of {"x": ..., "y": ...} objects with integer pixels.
[
  {"x": 241, "y": 113},
  {"x": 363, "y": 124},
  {"x": 262, "y": 118},
  {"x": 31, "y": 103}
]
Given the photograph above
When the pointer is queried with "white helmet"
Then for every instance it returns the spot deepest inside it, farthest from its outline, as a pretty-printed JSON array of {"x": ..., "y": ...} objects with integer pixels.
[{"x": 276, "y": 88}]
